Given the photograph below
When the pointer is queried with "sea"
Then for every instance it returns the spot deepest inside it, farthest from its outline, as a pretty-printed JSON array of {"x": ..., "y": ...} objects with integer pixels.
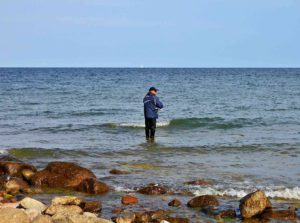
[{"x": 237, "y": 128}]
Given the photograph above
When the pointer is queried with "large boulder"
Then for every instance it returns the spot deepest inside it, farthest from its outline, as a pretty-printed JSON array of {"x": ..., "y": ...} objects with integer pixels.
[
  {"x": 254, "y": 204},
  {"x": 68, "y": 175},
  {"x": 61, "y": 174},
  {"x": 203, "y": 201},
  {"x": 14, "y": 169},
  {"x": 13, "y": 215}
]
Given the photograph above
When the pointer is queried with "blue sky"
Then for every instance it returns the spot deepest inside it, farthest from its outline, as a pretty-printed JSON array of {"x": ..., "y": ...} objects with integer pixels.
[{"x": 150, "y": 33}]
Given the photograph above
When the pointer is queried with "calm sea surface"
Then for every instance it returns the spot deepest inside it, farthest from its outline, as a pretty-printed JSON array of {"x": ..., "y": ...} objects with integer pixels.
[{"x": 238, "y": 128}]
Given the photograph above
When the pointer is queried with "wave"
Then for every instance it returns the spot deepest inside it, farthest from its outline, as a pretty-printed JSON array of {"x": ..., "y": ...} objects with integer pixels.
[
  {"x": 276, "y": 192},
  {"x": 191, "y": 123}
]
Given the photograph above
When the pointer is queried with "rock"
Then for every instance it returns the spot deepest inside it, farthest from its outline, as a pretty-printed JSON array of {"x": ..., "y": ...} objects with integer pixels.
[
  {"x": 198, "y": 182},
  {"x": 115, "y": 171},
  {"x": 128, "y": 199},
  {"x": 92, "y": 186},
  {"x": 177, "y": 220},
  {"x": 203, "y": 201},
  {"x": 76, "y": 218},
  {"x": 15, "y": 185},
  {"x": 91, "y": 206},
  {"x": 153, "y": 189},
  {"x": 14, "y": 169},
  {"x": 63, "y": 209},
  {"x": 42, "y": 219},
  {"x": 32, "y": 213},
  {"x": 254, "y": 204},
  {"x": 61, "y": 174},
  {"x": 175, "y": 203},
  {"x": 126, "y": 218},
  {"x": 226, "y": 214},
  {"x": 29, "y": 203},
  {"x": 66, "y": 200},
  {"x": 89, "y": 214},
  {"x": 13, "y": 215},
  {"x": 284, "y": 215},
  {"x": 9, "y": 205}
]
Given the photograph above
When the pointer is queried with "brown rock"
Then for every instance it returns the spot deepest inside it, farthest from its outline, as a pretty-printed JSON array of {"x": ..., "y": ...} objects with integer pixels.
[
  {"x": 254, "y": 204},
  {"x": 63, "y": 209},
  {"x": 115, "y": 171},
  {"x": 128, "y": 199},
  {"x": 14, "y": 168},
  {"x": 284, "y": 215},
  {"x": 198, "y": 182},
  {"x": 153, "y": 189},
  {"x": 226, "y": 214},
  {"x": 177, "y": 220},
  {"x": 61, "y": 174},
  {"x": 91, "y": 206},
  {"x": 174, "y": 203},
  {"x": 15, "y": 185},
  {"x": 92, "y": 186},
  {"x": 203, "y": 201},
  {"x": 13, "y": 215},
  {"x": 126, "y": 217}
]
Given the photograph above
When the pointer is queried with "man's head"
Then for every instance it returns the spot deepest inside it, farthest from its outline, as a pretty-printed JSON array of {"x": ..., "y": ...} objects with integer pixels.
[{"x": 153, "y": 90}]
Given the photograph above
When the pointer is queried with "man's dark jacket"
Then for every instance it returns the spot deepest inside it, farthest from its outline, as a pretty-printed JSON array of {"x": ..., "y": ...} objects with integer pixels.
[{"x": 151, "y": 106}]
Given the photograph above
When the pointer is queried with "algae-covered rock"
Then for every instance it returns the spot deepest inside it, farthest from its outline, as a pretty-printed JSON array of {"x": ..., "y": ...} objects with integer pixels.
[{"x": 254, "y": 204}]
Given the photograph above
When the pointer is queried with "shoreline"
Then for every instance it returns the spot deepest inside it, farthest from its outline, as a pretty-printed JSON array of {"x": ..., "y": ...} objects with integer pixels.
[{"x": 20, "y": 180}]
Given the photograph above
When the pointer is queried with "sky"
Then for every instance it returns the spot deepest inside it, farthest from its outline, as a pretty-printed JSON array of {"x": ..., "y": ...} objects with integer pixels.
[{"x": 150, "y": 33}]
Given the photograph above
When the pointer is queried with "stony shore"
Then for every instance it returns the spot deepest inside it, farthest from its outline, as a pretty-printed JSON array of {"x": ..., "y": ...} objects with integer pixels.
[{"x": 20, "y": 182}]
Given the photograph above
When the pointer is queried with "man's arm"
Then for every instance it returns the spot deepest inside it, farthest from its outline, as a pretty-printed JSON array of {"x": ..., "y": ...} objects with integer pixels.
[{"x": 158, "y": 103}]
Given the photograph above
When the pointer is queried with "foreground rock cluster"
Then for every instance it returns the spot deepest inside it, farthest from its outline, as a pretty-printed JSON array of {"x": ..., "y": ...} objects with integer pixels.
[
  {"x": 65, "y": 209},
  {"x": 19, "y": 181},
  {"x": 18, "y": 177}
]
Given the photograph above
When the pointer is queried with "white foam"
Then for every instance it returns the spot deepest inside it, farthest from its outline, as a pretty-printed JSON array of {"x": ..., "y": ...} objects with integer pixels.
[
  {"x": 122, "y": 189},
  {"x": 274, "y": 192},
  {"x": 142, "y": 125}
]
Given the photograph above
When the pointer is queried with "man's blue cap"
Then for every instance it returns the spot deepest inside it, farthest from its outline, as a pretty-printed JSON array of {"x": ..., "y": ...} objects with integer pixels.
[{"x": 153, "y": 89}]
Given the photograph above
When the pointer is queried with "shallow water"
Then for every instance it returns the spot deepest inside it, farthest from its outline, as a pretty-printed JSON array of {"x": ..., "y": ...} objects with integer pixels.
[{"x": 238, "y": 128}]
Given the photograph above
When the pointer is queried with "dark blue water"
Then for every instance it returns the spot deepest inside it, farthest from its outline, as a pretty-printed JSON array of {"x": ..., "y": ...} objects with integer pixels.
[{"x": 239, "y": 128}]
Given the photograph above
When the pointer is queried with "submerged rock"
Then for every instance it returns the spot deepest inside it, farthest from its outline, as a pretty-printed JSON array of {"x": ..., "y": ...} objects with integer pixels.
[
  {"x": 128, "y": 199},
  {"x": 13, "y": 215},
  {"x": 198, "y": 182},
  {"x": 117, "y": 172},
  {"x": 174, "y": 203},
  {"x": 153, "y": 189},
  {"x": 254, "y": 204},
  {"x": 203, "y": 201},
  {"x": 226, "y": 214},
  {"x": 284, "y": 215}
]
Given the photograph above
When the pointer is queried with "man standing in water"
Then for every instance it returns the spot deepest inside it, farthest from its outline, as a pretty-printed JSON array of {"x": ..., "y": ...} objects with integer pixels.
[{"x": 151, "y": 106}]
